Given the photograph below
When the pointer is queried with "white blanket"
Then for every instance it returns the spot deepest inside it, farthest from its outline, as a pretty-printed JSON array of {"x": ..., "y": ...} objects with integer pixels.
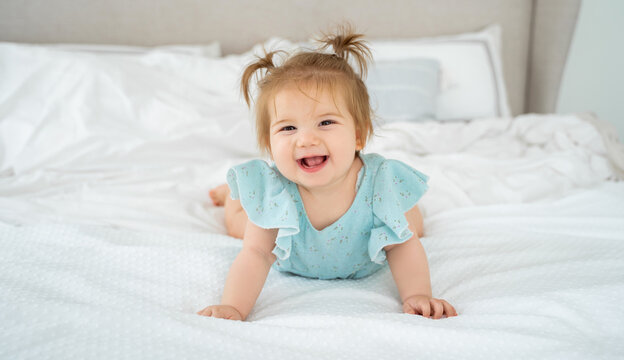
[
  {"x": 529, "y": 281},
  {"x": 163, "y": 183}
]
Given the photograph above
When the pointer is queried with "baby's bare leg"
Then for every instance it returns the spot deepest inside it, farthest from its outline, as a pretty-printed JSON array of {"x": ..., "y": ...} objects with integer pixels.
[{"x": 235, "y": 216}]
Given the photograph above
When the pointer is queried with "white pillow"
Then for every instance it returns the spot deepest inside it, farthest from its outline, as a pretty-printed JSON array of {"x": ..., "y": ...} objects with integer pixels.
[
  {"x": 404, "y": 90},
  {"x": 400, "y": 90},
  {"x": 472, "y": 83}
]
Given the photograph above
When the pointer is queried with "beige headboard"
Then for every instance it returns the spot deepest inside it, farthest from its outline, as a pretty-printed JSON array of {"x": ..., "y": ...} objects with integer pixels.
[{"x": 536, "y": 33}]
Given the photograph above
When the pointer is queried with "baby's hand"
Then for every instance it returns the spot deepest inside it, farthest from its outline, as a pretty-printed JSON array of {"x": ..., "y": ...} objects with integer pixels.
[
  {"x": 428, "y": 307},
  {"x": 222, "y": 312}
]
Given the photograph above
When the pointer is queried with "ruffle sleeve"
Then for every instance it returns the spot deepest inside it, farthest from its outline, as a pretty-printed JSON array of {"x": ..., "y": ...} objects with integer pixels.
[
  {"x": 263, "y": 195},
  {"x": 396, "y": 189}
]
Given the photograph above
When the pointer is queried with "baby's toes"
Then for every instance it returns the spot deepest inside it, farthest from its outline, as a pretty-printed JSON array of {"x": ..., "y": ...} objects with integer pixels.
[
  {"x": 213, "y": 197},
  {"x": 217, "y": 200}
]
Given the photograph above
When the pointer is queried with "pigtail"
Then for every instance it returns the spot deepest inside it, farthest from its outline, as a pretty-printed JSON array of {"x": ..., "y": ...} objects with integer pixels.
[
  {"x": 345, "y": 44},
  {"x": 262, "y": 62}
]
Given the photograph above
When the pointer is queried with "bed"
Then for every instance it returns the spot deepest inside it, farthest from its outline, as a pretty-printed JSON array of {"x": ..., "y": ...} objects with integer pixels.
[{"x": 116, "y": 119}]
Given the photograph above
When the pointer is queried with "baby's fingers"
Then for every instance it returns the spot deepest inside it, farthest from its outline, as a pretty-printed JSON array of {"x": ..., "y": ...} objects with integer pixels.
[
  {"x": 407, "y": 308},
  {"x": 421, "y": 306},
  {"x": 221, "y": 312},
  {"x": 206, "y": 311},
  {"x": 438, "y": 308},
  {"x": 428, "y": 307},
  {"x": 449, "y": 310},
  {"x": 216, "y": 312}
]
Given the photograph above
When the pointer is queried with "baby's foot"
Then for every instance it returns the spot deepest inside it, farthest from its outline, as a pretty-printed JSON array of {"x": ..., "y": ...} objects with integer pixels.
[{"x": 218, "y": 194}]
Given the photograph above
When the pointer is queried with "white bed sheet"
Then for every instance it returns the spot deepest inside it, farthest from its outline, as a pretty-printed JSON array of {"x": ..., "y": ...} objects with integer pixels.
[{"x": 529, "y": 281}]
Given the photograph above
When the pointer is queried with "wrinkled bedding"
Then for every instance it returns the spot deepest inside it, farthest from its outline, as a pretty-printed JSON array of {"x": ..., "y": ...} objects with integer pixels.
[
  {"x": 163, "y": 183},
  {"x": 524, "y": 231},
  {"x": 109, "y": 243}
]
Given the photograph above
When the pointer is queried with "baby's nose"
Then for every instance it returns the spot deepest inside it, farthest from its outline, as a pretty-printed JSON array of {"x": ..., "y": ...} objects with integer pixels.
[{"x": 307, "y": 138}]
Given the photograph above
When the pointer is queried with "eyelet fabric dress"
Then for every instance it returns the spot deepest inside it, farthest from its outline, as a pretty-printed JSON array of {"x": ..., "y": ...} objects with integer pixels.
[{"x": 351, "y": 247}]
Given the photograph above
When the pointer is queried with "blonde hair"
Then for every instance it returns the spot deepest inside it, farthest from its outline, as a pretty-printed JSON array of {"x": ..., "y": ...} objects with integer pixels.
[{"x": 327, "y": 70}]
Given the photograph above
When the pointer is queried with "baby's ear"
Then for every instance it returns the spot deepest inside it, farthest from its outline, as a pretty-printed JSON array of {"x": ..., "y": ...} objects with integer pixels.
[{"x": 358, "y": 141}]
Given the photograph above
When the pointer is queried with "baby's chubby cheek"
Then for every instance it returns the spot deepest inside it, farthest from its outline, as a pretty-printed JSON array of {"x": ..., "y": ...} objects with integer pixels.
[{"x": 282, "y": 158}]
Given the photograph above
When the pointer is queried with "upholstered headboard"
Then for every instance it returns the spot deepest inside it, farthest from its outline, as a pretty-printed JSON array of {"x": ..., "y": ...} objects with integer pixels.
[{"x": 536, "y": 33}]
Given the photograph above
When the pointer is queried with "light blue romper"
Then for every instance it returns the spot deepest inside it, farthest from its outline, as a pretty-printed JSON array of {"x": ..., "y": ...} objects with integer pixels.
[{"x": 351, "y": 247}]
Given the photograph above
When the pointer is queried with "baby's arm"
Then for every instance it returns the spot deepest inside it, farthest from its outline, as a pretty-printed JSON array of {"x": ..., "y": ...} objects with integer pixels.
[
  {"x": 408, "y": 263},
  {"x": 247, "y": 274}
]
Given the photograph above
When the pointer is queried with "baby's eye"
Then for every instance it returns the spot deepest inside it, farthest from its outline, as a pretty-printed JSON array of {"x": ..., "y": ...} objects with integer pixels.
[
  {"x": 327, "y": 122},
  {"x": 287, "y": 128}
]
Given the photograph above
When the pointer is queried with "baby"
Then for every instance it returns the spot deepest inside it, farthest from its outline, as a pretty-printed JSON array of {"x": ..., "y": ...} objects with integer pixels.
[{"x": 324, "y": 209}]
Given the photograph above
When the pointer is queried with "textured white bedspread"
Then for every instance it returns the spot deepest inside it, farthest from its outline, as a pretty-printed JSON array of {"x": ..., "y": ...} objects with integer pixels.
[{"x": 528, "y": 280}]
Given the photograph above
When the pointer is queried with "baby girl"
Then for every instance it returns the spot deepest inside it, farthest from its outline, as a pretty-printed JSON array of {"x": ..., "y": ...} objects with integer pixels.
[{"x": 324, "y": 209}]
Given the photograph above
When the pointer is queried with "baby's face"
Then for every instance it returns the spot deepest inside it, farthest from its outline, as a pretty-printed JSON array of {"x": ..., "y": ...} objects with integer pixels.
[{"x": 313, "y": 138}]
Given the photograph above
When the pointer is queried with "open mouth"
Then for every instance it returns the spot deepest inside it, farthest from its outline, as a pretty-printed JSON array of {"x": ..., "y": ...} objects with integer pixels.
[{"x": 312, "y": 163}]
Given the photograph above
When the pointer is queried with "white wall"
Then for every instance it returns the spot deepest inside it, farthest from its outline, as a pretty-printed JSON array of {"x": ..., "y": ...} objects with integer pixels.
[{"x": 593, "y": 78}]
